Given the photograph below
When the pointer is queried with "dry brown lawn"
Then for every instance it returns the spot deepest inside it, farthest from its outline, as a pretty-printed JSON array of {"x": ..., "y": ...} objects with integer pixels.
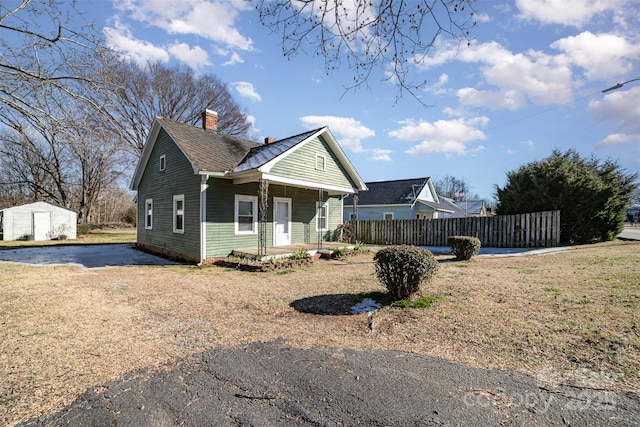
[{"x": 570, "y": 316}]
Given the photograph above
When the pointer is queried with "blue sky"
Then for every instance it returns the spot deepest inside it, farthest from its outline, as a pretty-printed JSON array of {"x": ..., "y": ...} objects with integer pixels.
[{"x": 529, "y": 82}]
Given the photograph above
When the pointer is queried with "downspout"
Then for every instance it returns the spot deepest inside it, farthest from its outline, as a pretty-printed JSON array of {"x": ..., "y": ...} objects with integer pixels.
[{"x": 203, "y": 218}]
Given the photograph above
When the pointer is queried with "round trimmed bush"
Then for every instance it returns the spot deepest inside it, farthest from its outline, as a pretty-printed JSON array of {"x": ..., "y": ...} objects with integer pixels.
[
  {"x": 464, "y": 247},
  {"x": 402, "y": 269}
]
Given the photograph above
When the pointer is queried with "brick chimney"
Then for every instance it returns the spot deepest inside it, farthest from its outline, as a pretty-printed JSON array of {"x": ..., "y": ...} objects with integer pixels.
[
  {"x": 209, "y": 120},
  {"x": 269, "y": 140}
]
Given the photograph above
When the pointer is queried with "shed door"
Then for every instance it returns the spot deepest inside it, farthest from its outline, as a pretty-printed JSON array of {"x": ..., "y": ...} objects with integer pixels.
[
  {"x": 41, "y": 226},
  {"x": 281, "y": 221}
]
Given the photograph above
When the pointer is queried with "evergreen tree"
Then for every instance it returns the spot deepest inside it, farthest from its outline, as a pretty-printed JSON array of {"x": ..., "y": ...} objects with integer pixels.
[{"x": 591, "y": 195}]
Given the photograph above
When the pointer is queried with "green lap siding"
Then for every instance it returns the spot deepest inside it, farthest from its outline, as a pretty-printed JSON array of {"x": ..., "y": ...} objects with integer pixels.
[
  {"x": 301, "y": 164},
  {"x": 161, "y": 186},
  {"x": 221, "y": 240}
]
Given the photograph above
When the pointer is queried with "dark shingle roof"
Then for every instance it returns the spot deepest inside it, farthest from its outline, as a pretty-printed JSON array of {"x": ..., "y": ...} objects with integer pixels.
[
  {"x": 208, "y": 150},
  {"x": 397, "y": 192}
]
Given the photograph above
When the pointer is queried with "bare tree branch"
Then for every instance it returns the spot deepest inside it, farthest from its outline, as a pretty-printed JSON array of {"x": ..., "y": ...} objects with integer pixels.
[
  {"x": 390, "y": 36},
  {"x": 175, "y": 93}
]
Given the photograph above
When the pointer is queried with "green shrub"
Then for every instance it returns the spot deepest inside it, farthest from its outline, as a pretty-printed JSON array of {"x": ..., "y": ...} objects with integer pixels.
[
  {"x": 82, "y": 229},
  {"x": 464, "y": 247},
  {"x": 402, "y": 269},
  {"x": 299, "y": 254},
  {"x": 338, "y": 253},
  {"x": 359, "y": 246}
]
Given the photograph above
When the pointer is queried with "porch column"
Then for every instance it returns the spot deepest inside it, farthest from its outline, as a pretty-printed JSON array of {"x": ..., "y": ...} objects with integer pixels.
[
  {"x": 263, "y": 206},
  {"x": 318, "y": 216},
  {"x": 203, "y": 217},
  {"x": 355, "y": 218}
]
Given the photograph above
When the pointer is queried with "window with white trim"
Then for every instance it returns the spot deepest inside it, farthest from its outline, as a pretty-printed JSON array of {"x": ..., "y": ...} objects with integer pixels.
[
  {"x": 322, "y": 216},
  {"x": 387, "y": 216},
  {"x": 148, "y": 214},
  {"x": 163, "y": 162},
  {"x": 178, "y": 213},
  {"x": 246, "y": 214},
  {"x": 320, "y": 162}
]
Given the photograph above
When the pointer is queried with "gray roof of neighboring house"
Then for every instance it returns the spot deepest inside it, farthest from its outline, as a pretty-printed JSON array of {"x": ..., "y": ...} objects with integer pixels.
[
  {"x": 261, "y": 154},
  {"x": 403, "y": 191},
  {"x": 208, "y": 150}
]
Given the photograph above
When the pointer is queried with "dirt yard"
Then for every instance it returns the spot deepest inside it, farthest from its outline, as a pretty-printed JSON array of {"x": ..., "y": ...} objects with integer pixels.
[{"x": 572, "y": 317}]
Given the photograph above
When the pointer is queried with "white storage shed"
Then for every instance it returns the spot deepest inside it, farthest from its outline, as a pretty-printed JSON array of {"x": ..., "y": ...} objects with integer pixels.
[{"x": 38, "y": 221}]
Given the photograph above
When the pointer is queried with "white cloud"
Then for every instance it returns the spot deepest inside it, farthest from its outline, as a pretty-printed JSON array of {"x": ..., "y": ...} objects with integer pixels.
[
  {"x": 252, "y": 121},
  {"x": 195, "y": 57},
  {"x": 442, "y": 136},
  {"x": 349, "y": 131},
  {"x": 508, "y": 99},
  {"x": 438, "y": 87},
  {"x": 234, "y": 59},
  {"x": 529, "y": 144},
  {"x": 566, "y": 12},
  {"x": 515, "y": 78},
  {"x": 622, "y": 108},
  {"x": 246, "y": 90},
  {"x": 380, "y": 154},
  {"x": 602, "y": 56},
  {"x": 120, "y": 38},
  {"x": 616, "y": 139},
  {"x": 213, "y": 20}
]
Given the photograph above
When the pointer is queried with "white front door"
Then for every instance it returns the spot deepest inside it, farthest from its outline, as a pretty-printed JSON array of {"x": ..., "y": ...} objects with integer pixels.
[
  {"x": 41, "y": 226},
  {"x": 281, "y": 221}
]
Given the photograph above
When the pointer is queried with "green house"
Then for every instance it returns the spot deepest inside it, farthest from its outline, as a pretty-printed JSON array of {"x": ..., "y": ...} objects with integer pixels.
[{"x": 202, "y": 194}]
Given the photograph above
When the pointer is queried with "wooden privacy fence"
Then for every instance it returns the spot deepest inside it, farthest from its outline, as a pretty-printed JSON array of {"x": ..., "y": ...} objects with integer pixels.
[{"x": 537, "y": 229}]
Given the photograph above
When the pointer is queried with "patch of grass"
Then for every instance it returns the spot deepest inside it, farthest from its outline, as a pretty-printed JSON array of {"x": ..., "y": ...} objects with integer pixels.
[
  {"x": 386, "y": 299},
  {"x": 382, "y": 298},
  {"x": 123, "y": 235},
  {"x": 553, "y": 291},
  {"x": 424, "y": 302}
]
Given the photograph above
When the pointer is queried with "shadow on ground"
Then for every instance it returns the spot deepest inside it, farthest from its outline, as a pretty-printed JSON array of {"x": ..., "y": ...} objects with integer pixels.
[
  {"x": 332, "y": 305},
  {"x": 271, "y": 384}
]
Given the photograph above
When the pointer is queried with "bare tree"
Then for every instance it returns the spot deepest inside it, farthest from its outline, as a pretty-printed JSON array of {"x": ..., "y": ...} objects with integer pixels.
[
  {"x": 41, "y": 49},
  {"x": 176, "y": 93},
  {"x": 62, "y": 155},
  {"x": 449, "y": 186},
  {"x": 72, "y": 113},
  {"x": 32, "y": 156},
  {"x": 98, "y": 160},
  {"x": 364, "y": 35}
]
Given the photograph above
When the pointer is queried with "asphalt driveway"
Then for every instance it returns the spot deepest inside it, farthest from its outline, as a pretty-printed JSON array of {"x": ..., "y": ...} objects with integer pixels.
[
  {"x": 88, "y": 256},
  {"x": 271, "y": 384}
]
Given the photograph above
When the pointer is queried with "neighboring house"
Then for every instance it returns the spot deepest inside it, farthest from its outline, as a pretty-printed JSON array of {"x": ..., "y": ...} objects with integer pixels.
[
  {"x": 633, "y": 214},
  {"x": 464, "y": 208},
  {"x": 400, "y": 199},
  {"x": 38, "y": 221},
  {"x": 200, "y": 192}
]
